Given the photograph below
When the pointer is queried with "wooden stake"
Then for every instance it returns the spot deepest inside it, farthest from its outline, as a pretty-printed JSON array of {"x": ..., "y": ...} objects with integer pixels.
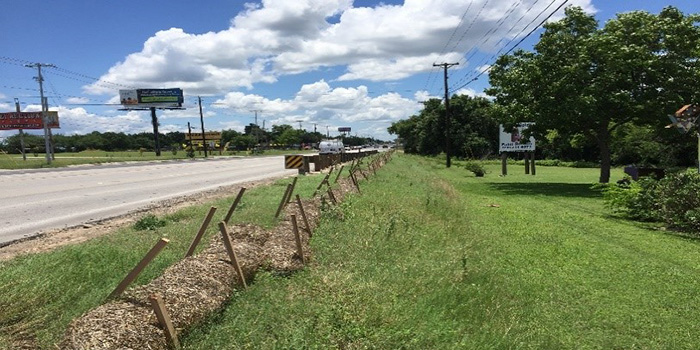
[
  {"x": 164, "y": 319},
  {"x": 294, "y": 185},
  {"x": 303, "y": 215},
  {"x": 325, "y": 180},
  {"x": 139, "y": 267},
  {"x": 354, "y": 181},
  {"x": 232, "y": 254},
  {"x": 283, "y": 201},
  {"x": 300, "y": 248},
  {"x": 332, "y": 196},
  {"x": 234, "y": 205},
  {"x": 339, "y": 172},
  {"x": 362, "y": 173},
  {"x": 201, "y": 231}
]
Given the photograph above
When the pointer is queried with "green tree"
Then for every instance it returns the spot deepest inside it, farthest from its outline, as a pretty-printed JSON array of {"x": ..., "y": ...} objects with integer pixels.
[
  {"x": 586, "y": 80},
  {"x": 289, "y": 137}
]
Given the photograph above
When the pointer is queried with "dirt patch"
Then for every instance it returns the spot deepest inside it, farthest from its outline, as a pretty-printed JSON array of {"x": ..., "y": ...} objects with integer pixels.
[{"x": 53, "y": 239}]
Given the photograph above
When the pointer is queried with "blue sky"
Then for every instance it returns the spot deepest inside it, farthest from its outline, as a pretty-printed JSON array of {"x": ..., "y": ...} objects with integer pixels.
[{"x": 326, "y": 63}]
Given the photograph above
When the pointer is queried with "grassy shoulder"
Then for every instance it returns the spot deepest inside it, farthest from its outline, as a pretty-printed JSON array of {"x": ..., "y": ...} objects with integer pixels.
[
  {"x": 35, "y": 161},
  {"x": 425, "y": 258},
  {"x": 41, "y": 293},
  {"x": 435, "y": 258}
]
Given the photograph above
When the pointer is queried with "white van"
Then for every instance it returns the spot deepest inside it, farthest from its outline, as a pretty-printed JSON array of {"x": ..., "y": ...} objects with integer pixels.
[{"x": 331, "y": 147}]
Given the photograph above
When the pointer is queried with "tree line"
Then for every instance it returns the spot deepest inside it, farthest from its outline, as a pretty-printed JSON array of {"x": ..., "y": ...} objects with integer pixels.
[
  {"x": 595, "y": 93},
  {"x": 279, "y": 136}
]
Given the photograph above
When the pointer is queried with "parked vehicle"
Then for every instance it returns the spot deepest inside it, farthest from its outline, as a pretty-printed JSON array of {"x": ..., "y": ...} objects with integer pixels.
[{"x": 331, "y": 147}]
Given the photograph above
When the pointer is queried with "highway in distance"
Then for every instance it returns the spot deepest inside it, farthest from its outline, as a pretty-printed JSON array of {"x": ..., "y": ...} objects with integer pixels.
[{"x": 32, "y": 201}]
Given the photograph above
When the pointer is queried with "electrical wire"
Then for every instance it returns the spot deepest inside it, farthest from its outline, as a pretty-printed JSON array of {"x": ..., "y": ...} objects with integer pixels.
[{"x": 516, "y": 45}]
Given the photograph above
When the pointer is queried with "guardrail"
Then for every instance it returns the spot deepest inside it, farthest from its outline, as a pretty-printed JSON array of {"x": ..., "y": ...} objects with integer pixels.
[{"x": 322, "y": 161}]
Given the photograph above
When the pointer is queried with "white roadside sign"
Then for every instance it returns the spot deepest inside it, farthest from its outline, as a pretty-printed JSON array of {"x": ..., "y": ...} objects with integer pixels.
[{"x": 515, "y": 141}]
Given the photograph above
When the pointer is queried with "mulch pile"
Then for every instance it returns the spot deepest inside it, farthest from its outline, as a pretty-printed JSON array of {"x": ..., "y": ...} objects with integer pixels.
[{"x": 198, "y": 285}]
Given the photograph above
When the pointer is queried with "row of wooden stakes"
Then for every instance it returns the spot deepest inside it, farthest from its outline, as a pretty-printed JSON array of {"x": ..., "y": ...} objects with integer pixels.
[{"x": 157, "y": 301}]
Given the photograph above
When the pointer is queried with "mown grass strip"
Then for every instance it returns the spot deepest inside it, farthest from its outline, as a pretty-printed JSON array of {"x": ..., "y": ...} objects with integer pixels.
[
  {"x": 434, "y": 258},
  {"x": 41, "y": 293}
]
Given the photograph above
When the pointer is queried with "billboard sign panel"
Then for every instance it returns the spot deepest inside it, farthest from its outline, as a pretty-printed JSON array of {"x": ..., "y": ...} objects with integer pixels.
[
  {"x": 27, "y": 120},
  {"x": 146, "y": 98},
  {"x": 344, "y": 129},
  {"x": 209, "y": 135},
  {"x": 515, "y": 141}
]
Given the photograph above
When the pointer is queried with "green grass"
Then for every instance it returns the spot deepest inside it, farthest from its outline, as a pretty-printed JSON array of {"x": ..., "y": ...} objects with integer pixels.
[
  {"x": 434, "y": 258},
  {"x": 15, "y": 161},
  {"x": 41, "y": 293},
  {"x": 425, "y": 258}
]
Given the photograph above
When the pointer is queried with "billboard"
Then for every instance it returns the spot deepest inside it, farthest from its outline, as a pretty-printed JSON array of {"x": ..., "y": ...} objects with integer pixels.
[
  {"x": 27, "y": 120},
  {"x": 146, "y": 98},
  {"x": 344, "y": 129},
  {"x": 515, "y": 141},
  {"x": 209, "y": 135}
]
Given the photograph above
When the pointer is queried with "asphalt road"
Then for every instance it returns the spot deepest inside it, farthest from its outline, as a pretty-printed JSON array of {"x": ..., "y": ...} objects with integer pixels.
[{"x": 32, "y": 201}]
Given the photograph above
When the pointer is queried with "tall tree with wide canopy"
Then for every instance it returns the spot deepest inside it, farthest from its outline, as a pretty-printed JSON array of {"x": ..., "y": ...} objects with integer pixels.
[{"x": 589, "y": 81}]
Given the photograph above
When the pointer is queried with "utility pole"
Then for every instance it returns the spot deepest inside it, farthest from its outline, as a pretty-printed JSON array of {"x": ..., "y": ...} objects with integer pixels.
[
  {"x": 189, "y": 137},
  {"x": 299, "y": 121},
  {"x": 328, "y": 133},
  {"x": 448, "y": 128},
  {"x": 44, "y": 108},
  {"x": 154, "y": 121},
  {"x": 315, "y": 127},
  {"x": 21, "y": 132},
  {"x": 201, "y": 120}
]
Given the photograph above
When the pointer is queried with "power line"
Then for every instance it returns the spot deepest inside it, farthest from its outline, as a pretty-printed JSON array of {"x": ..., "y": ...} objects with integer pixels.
[{"x": 516, "y": 45}]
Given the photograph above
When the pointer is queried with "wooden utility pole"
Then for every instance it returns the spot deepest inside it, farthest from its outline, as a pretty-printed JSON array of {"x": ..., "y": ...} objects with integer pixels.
[
  {"x": 448, "y": 128},
  {"x": 154, "y": 121},
  {"x": 44, "y": 107},
  {"x": 201, "y": 120}
]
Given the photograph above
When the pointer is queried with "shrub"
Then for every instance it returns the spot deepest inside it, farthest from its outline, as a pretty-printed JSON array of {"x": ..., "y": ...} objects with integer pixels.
[
  {"x": 149, "y": 222},
  {"x": 475, "y": 167},
  {"x": 679, "y": 200},
  {"x": 637, "y": 200}
]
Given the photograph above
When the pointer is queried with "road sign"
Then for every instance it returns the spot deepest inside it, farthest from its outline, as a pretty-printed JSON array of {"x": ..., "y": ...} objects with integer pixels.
[{"x": 293, "y": 161}]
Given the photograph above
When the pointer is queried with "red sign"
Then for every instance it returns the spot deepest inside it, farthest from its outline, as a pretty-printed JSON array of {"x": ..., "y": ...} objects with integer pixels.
[{"x": 27, "y": 120}]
